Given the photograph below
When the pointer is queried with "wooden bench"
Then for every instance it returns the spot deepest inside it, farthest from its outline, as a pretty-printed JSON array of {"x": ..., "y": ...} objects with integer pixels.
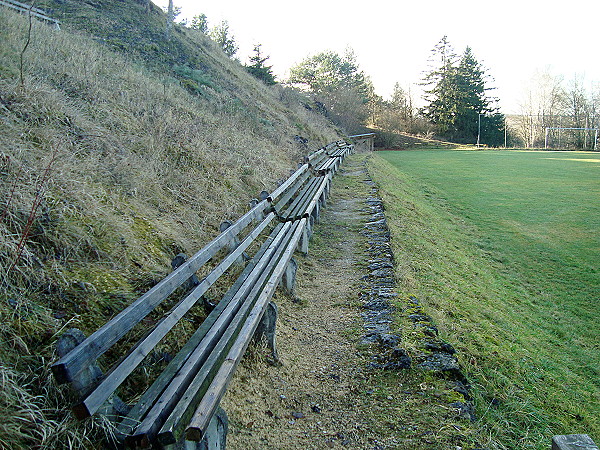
[{"x": 184, "y": 399}]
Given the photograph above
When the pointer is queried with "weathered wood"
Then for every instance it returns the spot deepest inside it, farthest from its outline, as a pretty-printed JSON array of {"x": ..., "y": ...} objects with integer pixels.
[
  {"x": 293, "y": 190},
  {"x": 148, "y": 399},
  {"x": 296, "y": 208},
  {"x": 181, "y": 414},
  {"x": 100, "y": 341},
  {"x": 286, "y": 184},
  {"x": 315, "y": 155},
  {"x": 212, "y": 397},
  {"x": 324, "y": 184},
  {"x": 573, "y": 442},
  {"x": 36, "y": 12},
  {"x": 136, "y": 355},
  {"x": 147, "y": 429}
]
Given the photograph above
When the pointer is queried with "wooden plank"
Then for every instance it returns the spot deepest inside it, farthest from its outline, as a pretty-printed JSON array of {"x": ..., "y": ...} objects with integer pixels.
[
  {"x": 573, "y": 442},
  {"x": 149, "y": 397},
  {"x": 182, "y": 413},
  {"x": 301, "y": 209},
  {"x": 211, "y": 399},
  {"x": 316, "y": 154},
  {"x": 160, "y": 410},
  {"x": 292, "y": 211},
  {"x": 284, "y": 200},
  {"x": 113, "y": 380},
  {"x": 281, "y": 189},
  {"x": 317, "y": 196},
  {"x": 100, "y": 341},
  {"x": 26, "y": 6},
  {"x": 32, "y": 12}
]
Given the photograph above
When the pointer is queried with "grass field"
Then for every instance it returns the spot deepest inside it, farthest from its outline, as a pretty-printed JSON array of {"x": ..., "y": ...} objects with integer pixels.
[{"x": 502, "y": 247}]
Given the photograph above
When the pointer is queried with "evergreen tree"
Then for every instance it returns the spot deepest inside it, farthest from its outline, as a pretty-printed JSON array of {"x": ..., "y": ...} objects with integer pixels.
[
  {"x": 458, "y": 100},
  {"x": 442, "y": 92},
  {"x": 259, "y": 69}
]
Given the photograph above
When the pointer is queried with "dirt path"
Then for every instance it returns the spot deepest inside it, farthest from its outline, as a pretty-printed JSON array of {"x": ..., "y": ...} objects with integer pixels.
[
  {"x": 312, "y": 401},
  {"x": 331, "y": 390}
]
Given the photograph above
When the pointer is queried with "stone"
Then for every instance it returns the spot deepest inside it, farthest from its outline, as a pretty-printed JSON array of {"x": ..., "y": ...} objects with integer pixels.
[
  {"x": 465, "y": 410},
  {"x": 573, "y": 442},
  {"x": 440, "y": 362},
  {"x": 388, "y": 340},
  {"x": 440, "y": 347},
  {"x": 398, "y": 360}
]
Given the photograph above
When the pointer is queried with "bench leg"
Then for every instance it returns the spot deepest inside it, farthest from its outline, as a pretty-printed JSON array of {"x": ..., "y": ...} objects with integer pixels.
[
  {"x": 266, "y": 328},
  {"x": 289, "y": 277},
  {"x": 216, "y": 434},
  {"x": 85, "y": 381},
  {"x": 316, "y": 212},
  {"x": 303, "y": 244}
]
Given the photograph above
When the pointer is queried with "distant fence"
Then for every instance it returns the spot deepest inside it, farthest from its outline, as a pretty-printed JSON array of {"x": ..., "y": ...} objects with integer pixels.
[{"x": 29, "y": 9}]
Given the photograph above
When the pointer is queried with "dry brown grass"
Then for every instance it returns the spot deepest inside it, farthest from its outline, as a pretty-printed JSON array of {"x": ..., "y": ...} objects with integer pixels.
[{"x": 107, "y": 170}]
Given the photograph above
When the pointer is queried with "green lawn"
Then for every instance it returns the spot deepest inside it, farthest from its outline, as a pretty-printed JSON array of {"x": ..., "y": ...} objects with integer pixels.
[{"x": 503, "y": 248}]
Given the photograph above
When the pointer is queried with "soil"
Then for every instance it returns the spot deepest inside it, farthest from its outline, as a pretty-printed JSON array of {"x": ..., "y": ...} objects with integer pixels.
[{"x": 314, "y": 399}]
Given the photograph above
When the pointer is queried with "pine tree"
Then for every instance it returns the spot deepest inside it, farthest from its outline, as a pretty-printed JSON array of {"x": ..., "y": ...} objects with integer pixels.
[
  {"x": 259, "y": 69},
  {"x": 442, "y": 95},
  {"x": 458, "y": 100}
]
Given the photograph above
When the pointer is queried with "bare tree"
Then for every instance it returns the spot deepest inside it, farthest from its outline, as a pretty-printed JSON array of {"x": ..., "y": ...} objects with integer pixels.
[{"x": 542, "y": 106}]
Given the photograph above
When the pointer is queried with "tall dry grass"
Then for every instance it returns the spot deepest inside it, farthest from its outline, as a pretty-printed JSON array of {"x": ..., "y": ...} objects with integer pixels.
[{"x": 107, "y": 170}]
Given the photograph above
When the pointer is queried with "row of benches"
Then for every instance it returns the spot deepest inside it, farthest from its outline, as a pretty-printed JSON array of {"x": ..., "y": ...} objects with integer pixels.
[{"x": 183, "y": 399}]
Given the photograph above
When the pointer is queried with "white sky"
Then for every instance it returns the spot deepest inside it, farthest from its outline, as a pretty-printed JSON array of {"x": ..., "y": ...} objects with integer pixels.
[{"x": 393, "y": 39}]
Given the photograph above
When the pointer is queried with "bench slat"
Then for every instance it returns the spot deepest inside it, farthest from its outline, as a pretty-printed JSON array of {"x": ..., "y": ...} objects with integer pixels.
[
  {"x": 160, "y": 410},
  {"x": 311, "y": 206},
  {"x": 287, "y": 183},
  {"x": 96, "y": 344},
  {"x": 113, "y": 380},
  {"x": 293, "y": 209},
  {"x": 212, "y": 397},
  {"x": 284, "y": 200}
]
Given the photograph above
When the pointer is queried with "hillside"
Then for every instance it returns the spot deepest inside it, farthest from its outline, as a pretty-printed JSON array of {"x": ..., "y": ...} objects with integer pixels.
[{"x": 119, "y": 150}]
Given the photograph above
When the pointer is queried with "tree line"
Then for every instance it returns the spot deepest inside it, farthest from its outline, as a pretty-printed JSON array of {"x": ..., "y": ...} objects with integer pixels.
[
  {"x": 457, "y": 107},
  {"x": 550, "y": 102},
  {"x": 457, "y": 104}
]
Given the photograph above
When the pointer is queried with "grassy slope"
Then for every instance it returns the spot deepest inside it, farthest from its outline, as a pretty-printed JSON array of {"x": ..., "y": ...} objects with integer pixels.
[
  {"x": 502, "y": 247},
  {"x": 110, "y": 164}
]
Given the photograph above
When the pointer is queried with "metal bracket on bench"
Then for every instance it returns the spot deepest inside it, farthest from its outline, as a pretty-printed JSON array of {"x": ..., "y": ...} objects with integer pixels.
[{"x": 266, "y": 328}]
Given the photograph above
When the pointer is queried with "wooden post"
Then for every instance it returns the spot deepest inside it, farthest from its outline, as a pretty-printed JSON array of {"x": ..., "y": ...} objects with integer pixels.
[
  {"x": 288, "y": 280},
  {"x": 303, "y": 244},
  {"x": 233, "y": 243},
  {"x": 573, "y": 442}
]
